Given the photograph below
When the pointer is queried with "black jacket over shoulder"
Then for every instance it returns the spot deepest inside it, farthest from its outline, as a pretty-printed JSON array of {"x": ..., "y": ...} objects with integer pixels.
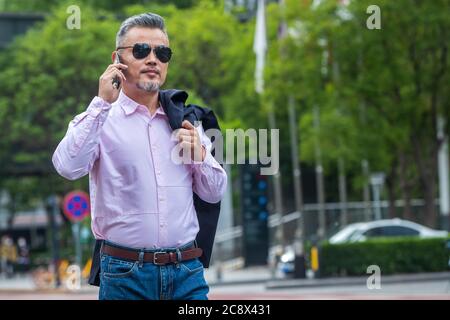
[{"x": 173, "y": 103}]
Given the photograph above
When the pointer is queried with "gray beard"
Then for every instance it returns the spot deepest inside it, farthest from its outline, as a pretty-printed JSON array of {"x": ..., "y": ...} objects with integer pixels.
[{"x": 148, "y": 86}]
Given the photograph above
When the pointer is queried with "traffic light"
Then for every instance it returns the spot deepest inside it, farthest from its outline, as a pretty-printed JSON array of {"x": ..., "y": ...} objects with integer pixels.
[{"x": 255, "y": 215}]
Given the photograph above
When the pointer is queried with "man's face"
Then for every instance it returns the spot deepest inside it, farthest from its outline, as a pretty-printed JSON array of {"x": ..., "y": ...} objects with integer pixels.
[{"x": 149, "y": 73}]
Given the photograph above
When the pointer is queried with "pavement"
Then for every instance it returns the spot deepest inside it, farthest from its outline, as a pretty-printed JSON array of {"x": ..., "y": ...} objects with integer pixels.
[
  {"x": 249, "y": 275},
  {"x": 20, "y": 283},
  {"x": 277, "y": 281},
  {"x": 259, "y": 283},
  {"x": 252, "y": 275}
]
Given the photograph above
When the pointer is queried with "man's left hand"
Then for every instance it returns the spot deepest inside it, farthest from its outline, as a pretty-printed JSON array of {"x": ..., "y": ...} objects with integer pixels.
[{"x": 190, "y": 140}]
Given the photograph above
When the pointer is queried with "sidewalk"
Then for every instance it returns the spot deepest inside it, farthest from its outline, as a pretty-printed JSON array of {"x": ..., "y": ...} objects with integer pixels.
[
  {"x": 20, "y": 283},
  {"x": 264, "y": 275},
  {"x": 25, "y": 283},
  {"x": 251, "y": 275},
  {"x": 356, "y": 281},
  {"x": 229, "y": 277},
  {"x": 237, "y": 276}
]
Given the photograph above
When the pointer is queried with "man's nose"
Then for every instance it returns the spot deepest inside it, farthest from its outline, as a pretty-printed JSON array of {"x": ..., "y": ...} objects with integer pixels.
[{"x": 151, "y": 58}]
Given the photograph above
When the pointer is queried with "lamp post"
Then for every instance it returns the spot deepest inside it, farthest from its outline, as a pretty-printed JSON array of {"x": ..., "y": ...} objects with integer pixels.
[{"x": 377, "y": 181}]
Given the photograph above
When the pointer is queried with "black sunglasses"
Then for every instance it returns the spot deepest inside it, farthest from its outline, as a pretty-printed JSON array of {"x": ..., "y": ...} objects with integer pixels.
[{"x": 142, "y": 50}]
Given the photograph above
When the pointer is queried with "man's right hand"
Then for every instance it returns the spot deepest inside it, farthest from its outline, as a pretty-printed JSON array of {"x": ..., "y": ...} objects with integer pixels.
[{"x": 106, "y": 90}]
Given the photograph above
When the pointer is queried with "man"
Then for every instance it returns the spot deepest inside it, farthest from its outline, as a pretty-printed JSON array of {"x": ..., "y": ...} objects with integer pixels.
[{"x": 141, "y": 198}]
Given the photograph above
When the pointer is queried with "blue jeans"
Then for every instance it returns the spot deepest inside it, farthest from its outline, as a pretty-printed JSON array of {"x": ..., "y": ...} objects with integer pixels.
[{"x": 132, "y": 280}]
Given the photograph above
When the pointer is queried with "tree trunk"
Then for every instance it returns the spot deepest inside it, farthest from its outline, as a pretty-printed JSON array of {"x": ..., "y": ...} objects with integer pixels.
[
  {"x": 390, "y": 184},
  {"x": 12, "y": 208},
  {"x": 342, "y": 193},
  {"x": 426, "y": 149},
  {"x": 426, "y": 160},
  {"x": 430, "y": 207},
  {"x": 407, "y": 209},
  {"x": 406, "y": 186}
]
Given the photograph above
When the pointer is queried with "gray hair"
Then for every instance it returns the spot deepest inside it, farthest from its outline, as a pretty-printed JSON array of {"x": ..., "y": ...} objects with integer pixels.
[{"x": 149, "y": 20}]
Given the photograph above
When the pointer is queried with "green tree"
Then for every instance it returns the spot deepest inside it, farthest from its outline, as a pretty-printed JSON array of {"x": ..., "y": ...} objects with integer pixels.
[
  {"x": 389, "y": 92},
  {"x": 49, "y": 75}
]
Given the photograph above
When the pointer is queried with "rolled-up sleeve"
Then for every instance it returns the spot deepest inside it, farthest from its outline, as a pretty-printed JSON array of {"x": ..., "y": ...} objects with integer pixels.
[{"x": 210, "y": 179}]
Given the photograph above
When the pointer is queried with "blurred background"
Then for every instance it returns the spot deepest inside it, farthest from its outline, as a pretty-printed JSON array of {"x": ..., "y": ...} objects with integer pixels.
[{"x": 359, "y": 91}]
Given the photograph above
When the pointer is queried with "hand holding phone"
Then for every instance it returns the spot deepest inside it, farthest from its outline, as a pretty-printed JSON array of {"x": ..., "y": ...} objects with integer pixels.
[
  {"x": 116, "y": 81},
  {"x": 110, "y": 81}
]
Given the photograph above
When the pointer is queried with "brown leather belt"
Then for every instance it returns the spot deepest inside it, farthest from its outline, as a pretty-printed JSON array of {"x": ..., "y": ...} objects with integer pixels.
[{"x": 158, "y": 258}]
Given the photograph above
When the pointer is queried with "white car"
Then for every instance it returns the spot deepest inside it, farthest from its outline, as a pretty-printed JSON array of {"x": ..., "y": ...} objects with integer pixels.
[{"x": 361, "y": 231}]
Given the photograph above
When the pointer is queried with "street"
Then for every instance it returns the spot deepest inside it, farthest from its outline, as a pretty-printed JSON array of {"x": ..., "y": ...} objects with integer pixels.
[
  {"x": 423, "y": 290},
  {"x": 314, "y": 144}
]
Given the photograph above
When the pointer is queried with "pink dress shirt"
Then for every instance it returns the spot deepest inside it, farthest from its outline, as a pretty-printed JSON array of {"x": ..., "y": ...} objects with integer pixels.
[{"x": 139, "y": 197}]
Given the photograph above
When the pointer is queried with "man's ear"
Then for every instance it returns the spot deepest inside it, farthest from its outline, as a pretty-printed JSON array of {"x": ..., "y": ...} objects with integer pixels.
[{"x": 113, "y": 56}]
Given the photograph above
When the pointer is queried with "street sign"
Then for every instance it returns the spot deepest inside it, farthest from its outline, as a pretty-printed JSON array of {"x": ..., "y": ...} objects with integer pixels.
[{"x": 76, "y": 205}]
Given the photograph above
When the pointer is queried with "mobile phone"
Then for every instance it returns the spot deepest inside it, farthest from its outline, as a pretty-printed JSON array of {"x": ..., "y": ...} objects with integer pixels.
[{"x": 116, "y": 81}]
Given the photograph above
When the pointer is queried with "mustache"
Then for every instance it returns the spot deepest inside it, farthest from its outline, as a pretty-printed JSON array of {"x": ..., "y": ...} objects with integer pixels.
[{"x": 150, "y": 70}]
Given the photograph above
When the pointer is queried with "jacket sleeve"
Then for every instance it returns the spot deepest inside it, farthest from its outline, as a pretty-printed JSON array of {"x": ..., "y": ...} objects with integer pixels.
[
  {"x": 78, "y": 150},
  {"x": 210, "y": 179}
]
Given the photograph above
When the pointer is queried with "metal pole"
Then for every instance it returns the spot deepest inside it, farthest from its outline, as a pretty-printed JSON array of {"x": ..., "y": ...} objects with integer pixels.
[
  {"x": 260, "y": 48},
  {"x": 444, "y": 202},
  {"x": 366, "y": 189},
  {"x": 53, "y": 212},
  {"x": 76, "y": 237},
  {"x": 319, "y": 180},
  {"x": 277, "y": 187},
  {"x": 364, "y": 162},
  {"x": 341, "y": 161},
  {"x": 343, "y": 193},
  {"x": 295, "y": 157},
  {"x": 376, "y": 190},
  {"x": 279, "y": 233},
  {"x": 377, "y": 180},
  {"x": 299, "y": 244}
]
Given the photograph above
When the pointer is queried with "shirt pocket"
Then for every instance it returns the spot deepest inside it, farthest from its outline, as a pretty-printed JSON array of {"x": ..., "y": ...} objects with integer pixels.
[
  {"x": 136, "y": 194},
  {"x": 172, "y": 174}
]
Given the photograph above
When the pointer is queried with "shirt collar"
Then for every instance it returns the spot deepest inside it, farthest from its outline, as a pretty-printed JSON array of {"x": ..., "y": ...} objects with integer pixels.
[{"x": 129, "y": 106}]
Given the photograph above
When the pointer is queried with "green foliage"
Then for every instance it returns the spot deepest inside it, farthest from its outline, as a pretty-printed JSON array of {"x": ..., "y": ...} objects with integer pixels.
[
  {"x": 50, "y": 75},
  {"x": 110, "y": 5},
  {"x": 377, "y": 91},
  {"x": 392, "y": 255}
]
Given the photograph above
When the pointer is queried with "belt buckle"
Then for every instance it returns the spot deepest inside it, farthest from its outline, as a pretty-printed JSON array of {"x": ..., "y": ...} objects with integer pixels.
[{"x": 154, "y": 258}]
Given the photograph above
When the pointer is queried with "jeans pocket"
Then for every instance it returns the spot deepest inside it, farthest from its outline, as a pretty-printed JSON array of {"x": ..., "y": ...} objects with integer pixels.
[
  {"x": 116, "y": 268},
  {"x": 192, "y": 266}
]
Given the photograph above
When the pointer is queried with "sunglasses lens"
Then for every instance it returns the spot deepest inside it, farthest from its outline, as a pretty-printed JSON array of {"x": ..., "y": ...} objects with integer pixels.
[
  {"x": 163, "y": 53},
  {"x": 141, "y": 50}
]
